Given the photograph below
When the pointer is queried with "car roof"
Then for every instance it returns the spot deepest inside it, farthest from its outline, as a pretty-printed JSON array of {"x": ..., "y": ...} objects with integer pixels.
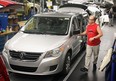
[
  {"x": 81, "y": 6},
  {"x": 56, "y": 14},
  {"x": 71, "y": 10}
]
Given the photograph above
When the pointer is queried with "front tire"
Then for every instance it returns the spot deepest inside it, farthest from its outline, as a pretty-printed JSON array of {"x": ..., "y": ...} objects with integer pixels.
[{"x": 67, "y": 64}]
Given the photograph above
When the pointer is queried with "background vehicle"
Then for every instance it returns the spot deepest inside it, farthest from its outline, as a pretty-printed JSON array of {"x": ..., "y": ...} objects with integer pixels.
[
  {"x": 46, "y": 44},
  {"x": 93, "y": 8},
  {"x": 28, "y": 5}
]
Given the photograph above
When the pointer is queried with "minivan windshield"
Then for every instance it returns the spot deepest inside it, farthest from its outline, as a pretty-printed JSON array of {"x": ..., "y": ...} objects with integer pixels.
[{"x": 47, "y": 25}]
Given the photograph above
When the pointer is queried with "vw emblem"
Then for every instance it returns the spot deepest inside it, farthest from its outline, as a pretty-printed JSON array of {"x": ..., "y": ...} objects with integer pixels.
[{"x": 22, "y": 55}]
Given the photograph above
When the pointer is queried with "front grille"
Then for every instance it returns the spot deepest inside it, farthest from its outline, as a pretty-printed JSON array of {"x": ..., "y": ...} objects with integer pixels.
[
  {"x": 23, "y": 68},
  {"x": 24, "y": 55}
]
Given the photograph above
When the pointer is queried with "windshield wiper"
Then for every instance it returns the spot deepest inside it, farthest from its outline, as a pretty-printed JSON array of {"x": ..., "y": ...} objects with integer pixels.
[
  {"x": 34, "y": 32},
  {"x": 59, "y": 34},
  {"x": 28, "y": 32},
  {"x": 47, "y": 32},
  {"x": 54, "y": 33}
]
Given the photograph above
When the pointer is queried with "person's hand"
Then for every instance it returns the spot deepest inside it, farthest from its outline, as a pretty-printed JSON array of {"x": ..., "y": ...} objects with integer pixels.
[
  {"x": 78, "y": 34},
  {"x": 91, "y": 39}
]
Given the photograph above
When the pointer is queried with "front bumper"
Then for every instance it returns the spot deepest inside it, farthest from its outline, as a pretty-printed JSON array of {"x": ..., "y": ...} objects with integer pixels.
[{"x": 46, "y": 66}]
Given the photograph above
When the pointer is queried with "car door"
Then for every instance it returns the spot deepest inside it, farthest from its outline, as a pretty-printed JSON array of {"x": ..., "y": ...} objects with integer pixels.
[
  {"x": 75, "y": 38},
  {"x": 82, "y": 25},
  {"x": 79, "y": 25}
]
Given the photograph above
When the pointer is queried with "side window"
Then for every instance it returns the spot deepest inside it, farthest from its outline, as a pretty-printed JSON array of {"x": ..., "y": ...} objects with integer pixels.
[
  {"x": 85, "y": 21},
  {"x": 75, "y": 24},
  {"x": 80, "y": 23},
  {"x": 31, "y": 24}
]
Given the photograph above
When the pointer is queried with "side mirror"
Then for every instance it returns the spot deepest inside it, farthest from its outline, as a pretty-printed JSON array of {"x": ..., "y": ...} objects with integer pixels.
[{"x": 75, "y": 32}]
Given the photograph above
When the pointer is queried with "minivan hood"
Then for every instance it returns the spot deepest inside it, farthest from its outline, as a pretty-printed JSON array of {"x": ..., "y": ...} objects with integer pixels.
[{"x": 35, "y": 42}]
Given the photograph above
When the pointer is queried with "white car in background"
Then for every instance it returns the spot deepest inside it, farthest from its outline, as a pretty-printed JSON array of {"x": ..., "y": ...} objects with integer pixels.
[
  {"x": 97, "y": 11},
  {"x": 93, "y": 10}
]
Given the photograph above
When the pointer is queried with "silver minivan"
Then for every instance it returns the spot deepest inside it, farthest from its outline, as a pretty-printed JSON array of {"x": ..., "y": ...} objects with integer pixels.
[{"x": 46, "y": 44}]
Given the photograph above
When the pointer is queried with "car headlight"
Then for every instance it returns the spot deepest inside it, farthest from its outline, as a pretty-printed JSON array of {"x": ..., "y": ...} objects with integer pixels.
[{"x": 54, "y": 53}]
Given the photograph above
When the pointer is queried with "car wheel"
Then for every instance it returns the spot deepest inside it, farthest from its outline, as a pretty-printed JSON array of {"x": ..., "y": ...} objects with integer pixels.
[{"x": 67, "y": 64}]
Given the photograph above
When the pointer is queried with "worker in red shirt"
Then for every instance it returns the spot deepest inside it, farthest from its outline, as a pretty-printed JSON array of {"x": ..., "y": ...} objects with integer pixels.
[
  {"x": 93, "y": 32},
  {"x": 3, "y": 72}
]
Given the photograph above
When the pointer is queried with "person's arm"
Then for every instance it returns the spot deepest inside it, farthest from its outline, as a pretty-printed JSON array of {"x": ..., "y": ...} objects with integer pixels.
[
  {"x": 100, "y": 34},
  {"x": 84, "y": 33}
]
